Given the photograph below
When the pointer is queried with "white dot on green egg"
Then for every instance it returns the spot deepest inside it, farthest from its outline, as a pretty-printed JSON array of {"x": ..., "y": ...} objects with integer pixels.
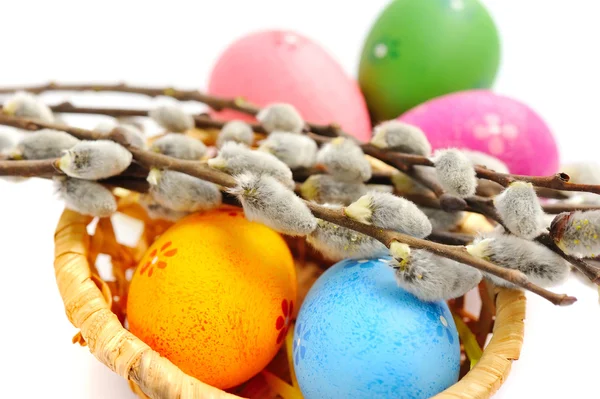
[
  {"x": 380, "y": 50},
  {"x": 444, "y": 321}
]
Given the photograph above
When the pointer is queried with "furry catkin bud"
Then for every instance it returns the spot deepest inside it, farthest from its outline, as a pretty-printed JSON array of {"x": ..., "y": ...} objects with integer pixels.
[
  {"x": 583, "y": 173},
  {"x": 133, "y": 135},
  {"x": 399, "y": 136},
  {"x": 434, "y": 278},
  {"x": 337, "y": 242},
  {"x": 27, "y": 105},
  {"x": 390, "y": 212},
  {"x": 345, "y": 160},
  {"x": 45, "y": 144},
  {"x": 86, "y": 197},
  {"x": 235, "y": 158},
  {"x": 237, "y": 131},
  {"x": 326, "y": 189},
  {"x": 181, "y": 192},
  {"x": 179, "y": 146},
  {"x": 95, "y": 160},
  {"x": 520, "y": 210},
  {"x": 157, "y": 211},
  {"x": 172, "y": 117},
  {"x": 7, "y": 141},
  {"x": 295, "y": 150},
  {"x": 267, "y": 201},
  {"x": 541, "y": 266},
  {"x": 281, "y": 117},
  {"x": 455, "y": 172},
  {"x": 577, "y": 233},
  {"x": 483, "y": 159},
  {"x": 442, "y": 220}
]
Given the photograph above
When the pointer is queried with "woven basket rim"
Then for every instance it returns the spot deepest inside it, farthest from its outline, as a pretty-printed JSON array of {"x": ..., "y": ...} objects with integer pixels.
[{"x": 88, "y": 309}]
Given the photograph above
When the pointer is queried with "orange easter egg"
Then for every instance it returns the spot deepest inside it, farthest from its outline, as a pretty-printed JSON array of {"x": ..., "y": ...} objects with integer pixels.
[{"x": 214, "y": 295}]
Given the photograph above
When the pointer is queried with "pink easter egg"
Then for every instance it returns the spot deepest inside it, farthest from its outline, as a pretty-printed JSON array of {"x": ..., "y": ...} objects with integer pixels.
[
  {"x": 494, "y": 124},
  {"x": 283, "y": 66}
]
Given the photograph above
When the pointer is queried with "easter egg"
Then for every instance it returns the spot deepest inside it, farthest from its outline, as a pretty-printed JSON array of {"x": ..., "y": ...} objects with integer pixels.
[
  {"x": 420, "y": 49},
  {"x": 358, "y": 335},
  {"x": 214, "y": 294},
  {"x": 490, "y": 123},
  {"x": 282, "y": 66}
]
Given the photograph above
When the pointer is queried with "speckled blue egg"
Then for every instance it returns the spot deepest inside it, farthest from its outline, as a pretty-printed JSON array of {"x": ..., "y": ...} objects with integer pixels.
[{"x": 358, "y": 335}]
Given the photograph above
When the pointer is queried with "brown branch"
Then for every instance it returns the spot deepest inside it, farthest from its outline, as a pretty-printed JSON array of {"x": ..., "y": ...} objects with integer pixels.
[
  {"x": 382, "y": 178},
  {"x": 216, "y": 103},
  {"x": 488, "y": 186},
  {"x": 149, "y": 159},
  {"x": 47, "y": 168},
  {"x": 556, "y": 182},
  {"x": 41, "y": 168},
  {"x": 559, "y": 207},
  {"x": 458, "y": 254},
  {"x": 450, "y": 238}
]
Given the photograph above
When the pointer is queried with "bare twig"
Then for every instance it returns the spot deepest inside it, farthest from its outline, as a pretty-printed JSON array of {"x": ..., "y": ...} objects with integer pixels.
[
  {"x": 450, "y": 238},
  {"x": 41, "y": 168},
  {"x": 560, "y": 207},
  {"x": 217, "y": 103},
  {"x": 149, "y": 159}
]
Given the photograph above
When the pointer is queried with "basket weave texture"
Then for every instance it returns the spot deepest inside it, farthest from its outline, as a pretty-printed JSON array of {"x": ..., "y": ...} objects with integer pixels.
[{"x": 92, "y": 306}]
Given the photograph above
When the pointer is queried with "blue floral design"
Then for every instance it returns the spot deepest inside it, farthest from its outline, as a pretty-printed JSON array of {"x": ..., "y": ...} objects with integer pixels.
[
  {"x": 298, "y": 347},
  {"x": 439, "y": 317}
]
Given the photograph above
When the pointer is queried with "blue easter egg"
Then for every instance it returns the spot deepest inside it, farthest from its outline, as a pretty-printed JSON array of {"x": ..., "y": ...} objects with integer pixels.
[{"x": 358, "y": 335}]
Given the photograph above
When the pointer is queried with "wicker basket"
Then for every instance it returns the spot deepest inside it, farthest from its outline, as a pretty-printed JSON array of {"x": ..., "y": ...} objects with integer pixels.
[{"x": 96, "y": 307}]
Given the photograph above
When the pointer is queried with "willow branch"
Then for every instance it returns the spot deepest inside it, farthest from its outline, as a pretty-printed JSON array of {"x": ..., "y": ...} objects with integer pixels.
[
  {"x": 450, "y": 238},
  {"x": 149, "y": 160},
  {"x": 560, "y": 207},
  {"x": 29, "y": 168},
  {"x": 559, "y": 181},
  {"x": 457, "y": 253},
  {"x": 548, "y": 187},
  {"x": 216, "y": 103}
]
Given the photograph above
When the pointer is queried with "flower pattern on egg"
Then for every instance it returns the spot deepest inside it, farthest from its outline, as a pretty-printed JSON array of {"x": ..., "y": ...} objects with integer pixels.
[
  {"x": 299, "y": 345},
  {"x": 282, "y": 324},
  {"x": 158, "y": 258},
  {"x": 497, "y": 133}
]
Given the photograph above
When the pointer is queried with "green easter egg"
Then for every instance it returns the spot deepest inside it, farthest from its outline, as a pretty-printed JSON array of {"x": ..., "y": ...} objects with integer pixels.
[{"x": 421, "y": 49}]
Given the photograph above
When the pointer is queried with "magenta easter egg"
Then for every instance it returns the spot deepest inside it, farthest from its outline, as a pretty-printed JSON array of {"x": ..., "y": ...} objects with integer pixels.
[
  {"x": 282, "y": 66},
  {"x": 494, "y": 124}
]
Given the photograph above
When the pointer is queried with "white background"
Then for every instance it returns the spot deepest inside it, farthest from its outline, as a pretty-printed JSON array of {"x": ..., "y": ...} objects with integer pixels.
[{"x": 549, "y": 61}]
